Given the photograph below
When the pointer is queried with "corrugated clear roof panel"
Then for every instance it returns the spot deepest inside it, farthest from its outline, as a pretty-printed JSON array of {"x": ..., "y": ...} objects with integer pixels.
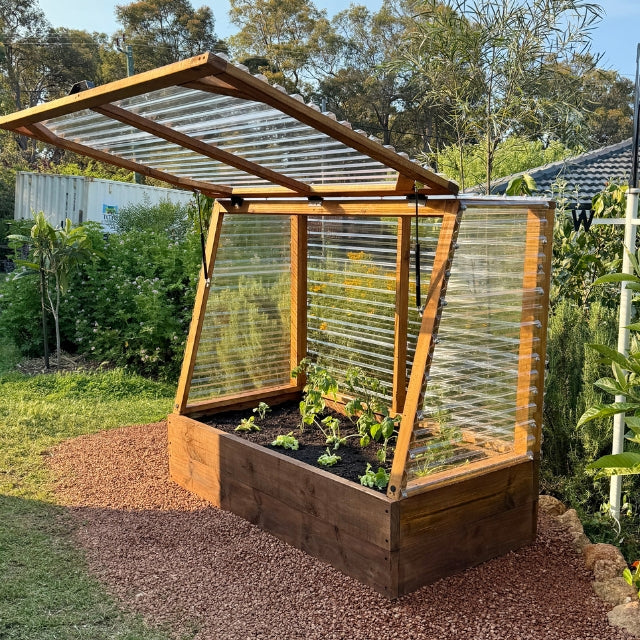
[{"x": 251, "y": 130}]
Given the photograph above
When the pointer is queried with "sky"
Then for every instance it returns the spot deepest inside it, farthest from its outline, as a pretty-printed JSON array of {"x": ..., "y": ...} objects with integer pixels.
[{"x": 616, "y": 37}]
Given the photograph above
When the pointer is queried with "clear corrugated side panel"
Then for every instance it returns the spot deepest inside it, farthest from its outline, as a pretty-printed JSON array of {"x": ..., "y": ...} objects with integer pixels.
[
  {"x": 470, "y": 411},
  {"x": 245, "y": 341},
  {"x": 351, "y": 295}
]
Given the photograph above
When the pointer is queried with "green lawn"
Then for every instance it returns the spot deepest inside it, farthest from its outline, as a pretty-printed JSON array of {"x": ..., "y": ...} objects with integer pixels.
[{"x": 45, "y": 591}]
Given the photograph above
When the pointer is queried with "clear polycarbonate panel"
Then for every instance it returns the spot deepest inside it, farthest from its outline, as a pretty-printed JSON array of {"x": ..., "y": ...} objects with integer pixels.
[
  {"x": 351, "y": 295},
  {"x": 245, "y": 341},
  {"x": 251, "y": 130},
  {"x": 470, "y": 411}
]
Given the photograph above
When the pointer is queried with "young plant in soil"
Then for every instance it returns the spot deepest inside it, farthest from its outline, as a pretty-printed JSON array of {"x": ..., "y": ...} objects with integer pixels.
[
  {"x": 366, "y": 406},
  {"x": 328, "y": 459},
  {"x": 286, "y": 442},
  {"x": 319, "y": 383},
  {"x": 248, "y": 424},
  {"x": 375, "y": 479}
]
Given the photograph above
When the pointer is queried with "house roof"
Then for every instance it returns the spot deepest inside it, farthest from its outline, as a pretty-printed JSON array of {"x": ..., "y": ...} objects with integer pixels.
[
  {"x": 585, "y": 175},
  {"x": 206, "y": 124}
]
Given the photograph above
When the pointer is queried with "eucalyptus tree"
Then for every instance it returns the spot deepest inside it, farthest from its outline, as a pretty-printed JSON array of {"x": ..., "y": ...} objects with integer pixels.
[
  {"x": 165, "y": 31},
  {"x": 283, "y": 32},
  {"x": 488, "y": 64}
]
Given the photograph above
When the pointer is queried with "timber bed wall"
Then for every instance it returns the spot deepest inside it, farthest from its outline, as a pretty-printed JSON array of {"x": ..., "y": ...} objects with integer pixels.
[{"x": 312, "y": 251}]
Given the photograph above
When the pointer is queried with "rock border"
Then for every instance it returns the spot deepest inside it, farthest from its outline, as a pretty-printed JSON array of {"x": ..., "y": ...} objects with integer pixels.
[{"x": 607, "y": 564}]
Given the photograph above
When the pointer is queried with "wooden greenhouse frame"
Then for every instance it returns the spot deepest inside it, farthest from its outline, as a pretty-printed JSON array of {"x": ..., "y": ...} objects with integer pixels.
[{"x": 422, "y": 528}]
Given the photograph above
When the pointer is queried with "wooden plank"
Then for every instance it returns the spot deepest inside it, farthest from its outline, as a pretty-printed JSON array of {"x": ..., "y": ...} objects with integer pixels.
[
  {"x": 530, "y": 373},
  {"x": 40, "y": 132},
  {"x": 328, "y": 190},
  {"x": 298, "y": 294},
  {"x": 356, "y": 510},
  {"x": 424, "y": 348},
  {"x": 193, "y": 68},
  {"x": 391, "y": 209},
  {"x": 207, "y": 150},
  {"x": 473, "y": 498},
  {"x": 456, "y": 548},
  {"x": 546, "y": 244},
  {"x": 211, "y": 84},
  {"x": 461, "y": 472},
  {"x": 200, "y": 307},
  {"x": 267, "y": 94},
  {"x": 244, "y": 400},
  {"x": 401, "y": 315}
]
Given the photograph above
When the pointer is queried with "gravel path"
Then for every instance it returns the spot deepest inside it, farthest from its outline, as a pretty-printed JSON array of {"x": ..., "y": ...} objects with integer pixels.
[{"x": 179, "y": 561}]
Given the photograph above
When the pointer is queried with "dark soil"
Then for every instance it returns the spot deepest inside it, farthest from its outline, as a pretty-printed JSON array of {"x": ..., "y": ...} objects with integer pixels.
[{"x": 284, "y": 419}]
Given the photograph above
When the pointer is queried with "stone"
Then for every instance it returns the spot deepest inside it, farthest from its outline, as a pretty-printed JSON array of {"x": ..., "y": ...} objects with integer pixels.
[
  {"x": 551, "y": 505},
  {"x": 580, "y": 541},
  {"x": 615, "y": 591},
  {"x": 626, "y": 616},
  {"x": 571, "y": 521},
  {"x": 607, "y": 569},
  {"x": 594, "y": 553}
]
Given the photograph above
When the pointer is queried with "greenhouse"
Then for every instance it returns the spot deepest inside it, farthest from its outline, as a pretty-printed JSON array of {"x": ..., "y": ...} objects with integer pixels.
[{"x": 326, "y": 246}]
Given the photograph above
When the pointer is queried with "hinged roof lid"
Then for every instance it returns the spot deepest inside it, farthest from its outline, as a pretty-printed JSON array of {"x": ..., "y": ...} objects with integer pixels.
[{"x": 206, "y": 124}]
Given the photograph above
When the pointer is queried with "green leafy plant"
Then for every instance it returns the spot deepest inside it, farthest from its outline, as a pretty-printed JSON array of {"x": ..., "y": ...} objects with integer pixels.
[
  {"x": 328, "y": 459},
  {"x": 372, "y": 415},
  {"x": 633, "y": 577},
  {"x": 248, "y": 424},
  {"x": 54, "y": 253},
  {"x": 375, "y": 479},
  {"x": 262, "y": 409},
  {"x": 286, "y": 442},
  {"x": 319, "y": 383},
  {"x": 332, "y": 432}
]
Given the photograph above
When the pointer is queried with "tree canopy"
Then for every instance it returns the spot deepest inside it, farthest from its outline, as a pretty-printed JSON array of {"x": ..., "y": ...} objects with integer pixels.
[{"x": 448, "y": 81}]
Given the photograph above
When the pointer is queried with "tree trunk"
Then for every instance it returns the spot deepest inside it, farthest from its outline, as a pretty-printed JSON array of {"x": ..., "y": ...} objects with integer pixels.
[{"x": 44, "y": 317}]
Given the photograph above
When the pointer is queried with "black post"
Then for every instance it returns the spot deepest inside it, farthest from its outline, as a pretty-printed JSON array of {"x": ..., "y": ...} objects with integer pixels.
[{"x": 44, "y": 317}]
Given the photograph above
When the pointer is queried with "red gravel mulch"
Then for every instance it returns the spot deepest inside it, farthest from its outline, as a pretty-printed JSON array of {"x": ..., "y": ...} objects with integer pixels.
[{"x": 179, "y": 561}]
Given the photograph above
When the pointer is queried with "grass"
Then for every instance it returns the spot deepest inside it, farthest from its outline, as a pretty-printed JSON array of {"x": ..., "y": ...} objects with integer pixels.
[{"x": 46, "y": 592}]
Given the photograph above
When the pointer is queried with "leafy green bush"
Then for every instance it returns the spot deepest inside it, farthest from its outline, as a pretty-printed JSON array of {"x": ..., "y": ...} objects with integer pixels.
[
  {"x": 133, "y": 307},
  {"x": 572, "y": 370}
]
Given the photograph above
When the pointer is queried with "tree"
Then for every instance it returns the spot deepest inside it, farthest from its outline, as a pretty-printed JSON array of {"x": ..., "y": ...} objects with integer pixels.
[
  {"x": 165, "y": 31},
  {"x": 57, "y": 253},
  {"x": 488, "y": 64},
  {"x": 356, "y": 84},
  {"x": 282, "y": 31}
]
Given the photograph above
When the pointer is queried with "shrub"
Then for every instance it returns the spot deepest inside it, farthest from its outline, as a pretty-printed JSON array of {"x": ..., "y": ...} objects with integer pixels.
[{"x": 569, "y": 390}]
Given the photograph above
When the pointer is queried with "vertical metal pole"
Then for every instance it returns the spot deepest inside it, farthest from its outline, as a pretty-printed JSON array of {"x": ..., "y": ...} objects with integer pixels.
[{"x": 623, "y": 337}]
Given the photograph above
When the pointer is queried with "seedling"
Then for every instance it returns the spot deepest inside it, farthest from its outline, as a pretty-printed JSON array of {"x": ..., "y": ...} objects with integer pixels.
[
  {"x": 248, "y": 424},
  {"x": 262, "y": 409},
  {"x": 332, "y": 432},
  {"x": 328, "y": 459},
  {"x": 319, "y": 383},
  {"x": 286, "y": 442},
  {"x": 376, "y": 480},
  {"x": 367, "y": 406}
]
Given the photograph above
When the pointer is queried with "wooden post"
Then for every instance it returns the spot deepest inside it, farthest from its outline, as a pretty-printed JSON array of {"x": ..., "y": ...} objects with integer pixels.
[
  {"x": 200, "y": 307},
  {"x": 537, "y": 267},
  {"x": 401, "y": 315},
  {"x": 424, "y": 348},
  {"x": 298, "y": 293}
]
